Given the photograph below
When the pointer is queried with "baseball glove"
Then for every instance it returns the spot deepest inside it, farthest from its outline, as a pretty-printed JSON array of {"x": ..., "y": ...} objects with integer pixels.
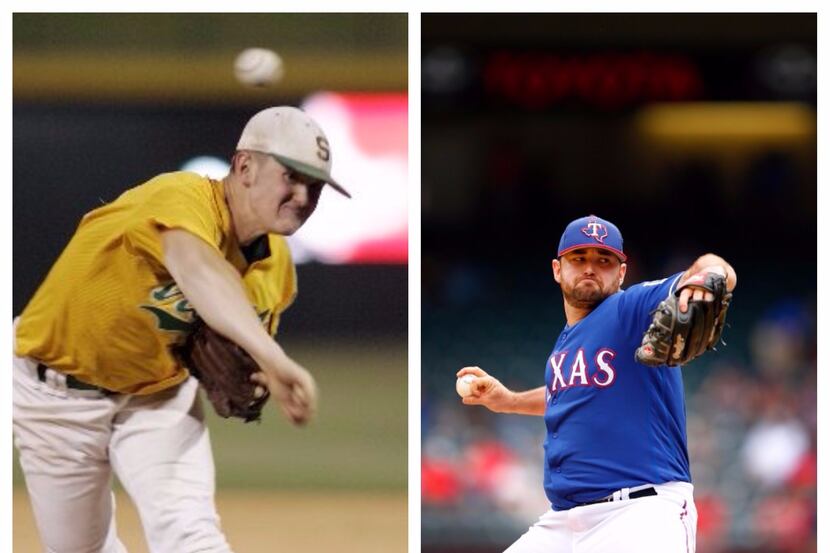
[
  {"x": 675, "y": 338},
  {"x": 224, "y": 369}
]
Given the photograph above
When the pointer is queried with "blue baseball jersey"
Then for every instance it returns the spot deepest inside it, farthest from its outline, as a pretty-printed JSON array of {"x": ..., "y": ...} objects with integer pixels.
[{"x": 611, "y": 421}]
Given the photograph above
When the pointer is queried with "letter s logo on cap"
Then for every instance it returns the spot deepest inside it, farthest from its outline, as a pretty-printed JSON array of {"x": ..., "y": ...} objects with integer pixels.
[{"x": 323, "y": 145}]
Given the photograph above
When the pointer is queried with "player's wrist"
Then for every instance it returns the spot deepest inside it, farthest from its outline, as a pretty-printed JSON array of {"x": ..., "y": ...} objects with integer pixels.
[
  {"x": 270, "y": 358},
  {"x": 511, "y": 402}
]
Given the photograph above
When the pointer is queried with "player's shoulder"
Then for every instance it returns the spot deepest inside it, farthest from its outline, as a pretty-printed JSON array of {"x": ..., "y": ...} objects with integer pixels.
[
  {"x": 650, "y": 292},
  {"x": 637, "y": 305},
  {"x": 180, "y": 179},
  {"x": 171, "y": 188},
  {"x": 670, "y": 281}
]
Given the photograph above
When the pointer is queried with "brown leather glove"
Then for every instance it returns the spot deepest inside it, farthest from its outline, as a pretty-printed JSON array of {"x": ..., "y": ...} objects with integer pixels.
[
  {"x": 674, "y": 337},
  {"x": 224, "y": 369}
]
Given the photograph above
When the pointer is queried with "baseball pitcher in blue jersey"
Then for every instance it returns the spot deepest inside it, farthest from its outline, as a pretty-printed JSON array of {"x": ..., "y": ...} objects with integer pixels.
[{"x": 616, "y": 462}]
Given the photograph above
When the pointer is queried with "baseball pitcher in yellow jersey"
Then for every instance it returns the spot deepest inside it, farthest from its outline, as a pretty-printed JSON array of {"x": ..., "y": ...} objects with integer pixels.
[{"x": 96, "y": 386}]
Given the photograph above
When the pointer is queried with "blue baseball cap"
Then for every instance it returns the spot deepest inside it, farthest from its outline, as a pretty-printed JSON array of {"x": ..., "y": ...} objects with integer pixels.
[{"x": 592, "y": 232}]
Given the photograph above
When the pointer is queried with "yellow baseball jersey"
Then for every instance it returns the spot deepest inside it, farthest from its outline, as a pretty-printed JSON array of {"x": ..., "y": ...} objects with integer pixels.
[{"x": 108, "y": 312}]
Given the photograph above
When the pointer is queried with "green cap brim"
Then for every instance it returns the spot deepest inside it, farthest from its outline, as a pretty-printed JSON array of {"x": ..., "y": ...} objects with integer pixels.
[{"x": 311, "y": 171}]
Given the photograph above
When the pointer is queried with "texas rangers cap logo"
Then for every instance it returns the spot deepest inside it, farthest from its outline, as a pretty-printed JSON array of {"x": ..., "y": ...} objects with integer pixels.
[
  {"x": 592, "y": 232},
  {"x": 595, "y": 230}
]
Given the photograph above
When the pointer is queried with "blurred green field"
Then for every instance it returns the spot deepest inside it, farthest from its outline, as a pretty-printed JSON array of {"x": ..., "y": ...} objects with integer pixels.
[{"x": 357, "y": 442}]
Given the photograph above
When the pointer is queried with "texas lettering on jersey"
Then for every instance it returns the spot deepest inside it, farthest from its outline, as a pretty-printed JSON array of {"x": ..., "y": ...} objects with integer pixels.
[{"x": 580, "y": 369}]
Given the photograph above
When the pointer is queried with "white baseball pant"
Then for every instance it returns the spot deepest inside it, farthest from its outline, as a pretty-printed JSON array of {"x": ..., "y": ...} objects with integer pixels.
[
  {"x": 70, "y": 442},
  {"x": 664, "y": 523}
]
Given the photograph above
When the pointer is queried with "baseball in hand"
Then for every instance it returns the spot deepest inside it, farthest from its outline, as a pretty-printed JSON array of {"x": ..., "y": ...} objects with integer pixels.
[
  {"x": 464, "y": 385},
  {"x": 258, "y": 67}
]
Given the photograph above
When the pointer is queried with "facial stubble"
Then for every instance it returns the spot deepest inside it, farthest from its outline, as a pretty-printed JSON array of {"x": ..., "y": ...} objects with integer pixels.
[{"x": 585, "y": 297}]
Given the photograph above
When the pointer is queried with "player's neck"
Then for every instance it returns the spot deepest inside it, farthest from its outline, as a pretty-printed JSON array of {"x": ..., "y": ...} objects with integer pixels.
[
  {"x": 575, "y": 314},
  {"x": 241, "y": 219}
]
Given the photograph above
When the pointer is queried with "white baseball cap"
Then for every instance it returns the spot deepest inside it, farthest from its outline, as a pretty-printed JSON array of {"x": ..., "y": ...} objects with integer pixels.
[{"x": 294, "y": 139}]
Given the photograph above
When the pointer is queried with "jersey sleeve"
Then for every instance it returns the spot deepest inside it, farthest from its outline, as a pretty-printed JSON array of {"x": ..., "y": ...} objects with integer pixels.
[
  {"x": 640, "y": 300},
  {"x": 177, "y": 204}
]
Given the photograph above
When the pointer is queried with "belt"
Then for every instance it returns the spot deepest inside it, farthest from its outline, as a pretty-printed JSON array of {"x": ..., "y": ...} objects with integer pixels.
[
  {"x": 71, "y": 381},
  {"x": 618, "y": 496}
]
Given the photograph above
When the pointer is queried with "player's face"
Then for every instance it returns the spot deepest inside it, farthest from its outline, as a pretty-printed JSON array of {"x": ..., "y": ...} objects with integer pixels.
[
  {"x": 588, "y": 276},
  {"x": 280, "y": 198}
]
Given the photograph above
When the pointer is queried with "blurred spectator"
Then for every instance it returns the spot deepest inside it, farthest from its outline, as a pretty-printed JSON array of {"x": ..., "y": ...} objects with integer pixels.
[
  {"x": 779, "y": 340},
  {"x": 784, "y": 522},
  {"x": 440, "y": 484},
  {"x": 486, "y": 464},
  {"x": 712, "y": 523},
  {"x": 774, "y": 449}
]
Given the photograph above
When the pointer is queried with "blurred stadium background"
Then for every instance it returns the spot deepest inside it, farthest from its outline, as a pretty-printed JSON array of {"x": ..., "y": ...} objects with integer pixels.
[
  {"x": 102, "y": 102},
  {"x": 693, "y": 133}
]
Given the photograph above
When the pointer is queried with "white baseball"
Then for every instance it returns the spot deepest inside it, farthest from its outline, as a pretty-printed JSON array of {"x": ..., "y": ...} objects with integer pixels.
[
  {"x": 462, "y": 385},
  {"x": 258, "y": 67}
]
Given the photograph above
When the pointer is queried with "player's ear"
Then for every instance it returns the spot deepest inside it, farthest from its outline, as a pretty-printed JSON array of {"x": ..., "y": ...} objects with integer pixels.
[
  {"x": 243, "y": 165},
  {"x": 557, "y": 270},
  {"x": 623, "y": 268},
  {"x": 236, "y": 162}
]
